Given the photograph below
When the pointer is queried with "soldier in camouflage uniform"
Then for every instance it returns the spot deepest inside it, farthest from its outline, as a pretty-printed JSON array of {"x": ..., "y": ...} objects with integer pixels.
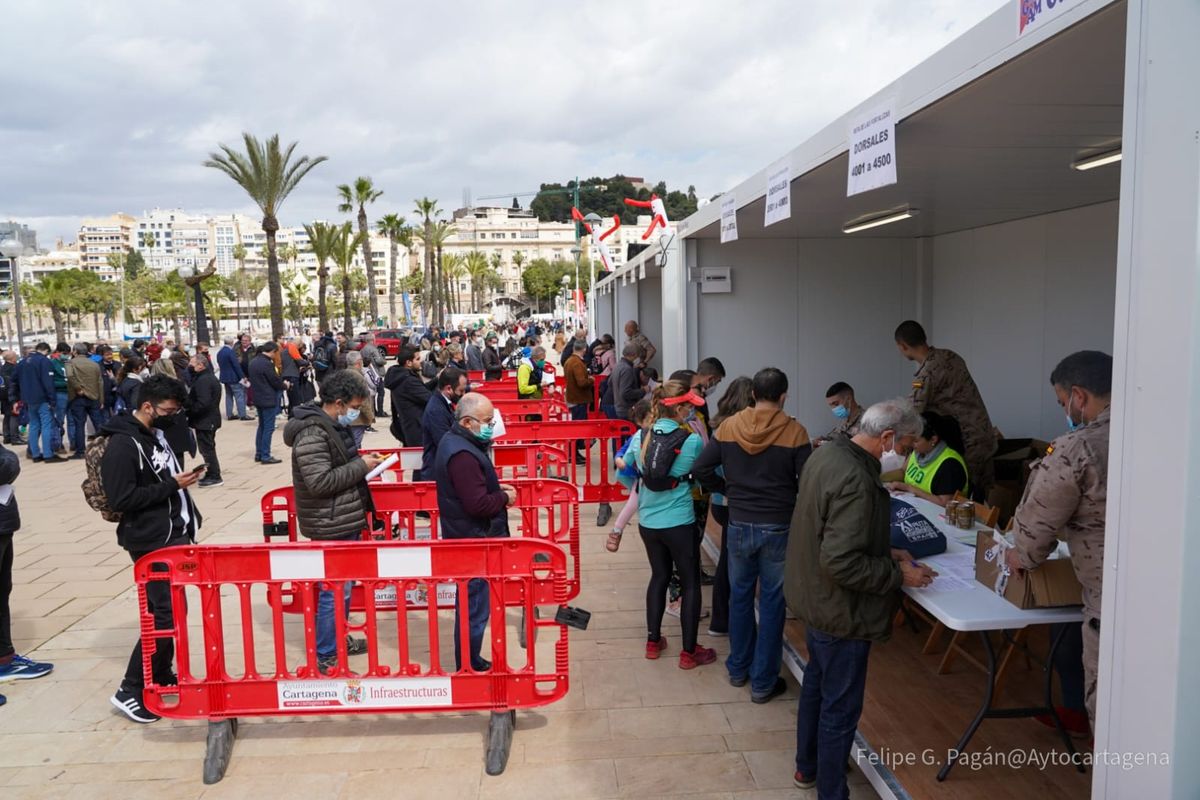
[
  {"x": 1066, "y": 495},
  {"x": 943, "y": 384},
  {"x": 841, "y": 401}
]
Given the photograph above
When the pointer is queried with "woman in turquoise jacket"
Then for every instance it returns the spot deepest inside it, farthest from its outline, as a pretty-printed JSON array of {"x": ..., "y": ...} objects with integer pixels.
[{"x": 666, "y": 521}]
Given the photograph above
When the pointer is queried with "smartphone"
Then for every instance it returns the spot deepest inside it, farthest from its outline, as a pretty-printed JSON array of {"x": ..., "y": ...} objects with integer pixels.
[{"x": 198, "y": 469}]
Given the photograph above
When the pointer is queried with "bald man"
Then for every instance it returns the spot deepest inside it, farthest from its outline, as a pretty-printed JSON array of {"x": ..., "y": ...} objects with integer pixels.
[
  {"x": 472, "y": 504},
  {"x": 646, "y": 348}
]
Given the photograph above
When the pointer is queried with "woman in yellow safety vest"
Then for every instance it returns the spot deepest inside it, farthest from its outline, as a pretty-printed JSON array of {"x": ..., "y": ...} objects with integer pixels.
[{"x": 935, "y": 469}]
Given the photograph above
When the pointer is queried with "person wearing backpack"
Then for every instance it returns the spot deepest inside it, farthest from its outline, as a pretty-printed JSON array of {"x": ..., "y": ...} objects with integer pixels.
[
  {"x": 324, "y": 356},
  {"x": 663, "y": 454},
  {"x": 140, "y": 479}
]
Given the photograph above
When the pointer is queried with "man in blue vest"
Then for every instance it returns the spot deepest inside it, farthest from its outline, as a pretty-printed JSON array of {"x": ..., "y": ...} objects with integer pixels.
[{"x": 472, "y": 504}]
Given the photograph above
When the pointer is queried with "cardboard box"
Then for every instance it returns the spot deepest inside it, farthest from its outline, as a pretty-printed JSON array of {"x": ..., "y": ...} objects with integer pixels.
[
  {"x": 1050, "y": 585},
  {"x": 1012, "y": 462}
]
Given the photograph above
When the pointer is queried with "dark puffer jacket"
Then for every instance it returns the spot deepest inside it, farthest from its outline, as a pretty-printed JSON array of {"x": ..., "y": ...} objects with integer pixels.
[{"x": 332, "y": 498}]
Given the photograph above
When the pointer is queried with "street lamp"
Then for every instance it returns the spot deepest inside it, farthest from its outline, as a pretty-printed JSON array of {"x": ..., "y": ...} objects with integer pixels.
[
  {"x": 576, "y": 252},
  {"x": 12, "y": 250},
  {"x": 594, "y": 221},
  {"x": 566, "y": 282}
]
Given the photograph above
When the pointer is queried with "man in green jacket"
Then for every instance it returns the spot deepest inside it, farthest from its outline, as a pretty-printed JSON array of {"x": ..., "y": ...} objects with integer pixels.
[{"x": 842, "y": 579}]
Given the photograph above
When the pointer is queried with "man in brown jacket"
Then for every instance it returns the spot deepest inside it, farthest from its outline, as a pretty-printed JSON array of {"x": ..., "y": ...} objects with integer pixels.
[
  {"x": 85, "y": 393},
  {"x": 1067, "y": 493},
  {"x": 579, "y": 390}
]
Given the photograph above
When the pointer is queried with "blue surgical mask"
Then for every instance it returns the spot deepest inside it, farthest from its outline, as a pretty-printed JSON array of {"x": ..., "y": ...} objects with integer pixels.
[
  {"x": 349, "y": 417},
  {"x": 1072, "y": 425},
  {"x": 841, "y": 412},
  {"x": 486, "y": 432}
]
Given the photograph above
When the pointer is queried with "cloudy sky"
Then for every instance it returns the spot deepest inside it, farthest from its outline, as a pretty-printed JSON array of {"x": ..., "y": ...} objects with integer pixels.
[{"x": 112, "y": 106}]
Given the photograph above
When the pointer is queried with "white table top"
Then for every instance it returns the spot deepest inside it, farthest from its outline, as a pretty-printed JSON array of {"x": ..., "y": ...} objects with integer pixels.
[{"x": 976, "y": 608}]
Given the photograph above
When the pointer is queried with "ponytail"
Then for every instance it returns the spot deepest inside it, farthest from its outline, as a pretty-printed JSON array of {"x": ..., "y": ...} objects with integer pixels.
[{"x": 658, "y": 410}]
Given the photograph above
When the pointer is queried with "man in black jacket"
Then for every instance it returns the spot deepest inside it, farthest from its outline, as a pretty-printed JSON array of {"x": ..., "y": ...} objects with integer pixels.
[
  {"x": 265, "y": 386},
  {"x": 438, "y": 417},
  {"x": 13, "y": 666},
  {"x": 146, "y": 485},
  {"x": 410, "y": 395},
  {"x": 204, "y": 413}
]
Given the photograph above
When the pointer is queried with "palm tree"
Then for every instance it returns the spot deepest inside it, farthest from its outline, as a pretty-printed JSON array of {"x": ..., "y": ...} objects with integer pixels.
[
  {"x": 289, "y": 253},
  {"x": 477, "y": 267},
  {"x": 345, "y": 244},
  {"x": 255, "y": 281},
  {"x": 359, "y": 194},
  {"x": 392, "y": 226},
  {"x": 442, "y": 231},
  {"x": 452, "y": 269},
  {"x": 322, "y": 238},
  {"x": 407, "y": 238},
  {"x": 427, "y": 210},
  {"x": 268, "y": 174}
]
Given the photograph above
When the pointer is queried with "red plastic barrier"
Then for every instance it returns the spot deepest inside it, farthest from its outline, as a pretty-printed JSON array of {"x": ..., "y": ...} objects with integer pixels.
[
  {"x": 552, "y": 409},
  {"x": 597, "y": 476},
  {"x": 512, "y": 461},
  {"x": 404, "y": 669},
  {"x": 597, "y": 389},
  {"x": 548, "y": 510},
  {"x": 507, "y": 390}
]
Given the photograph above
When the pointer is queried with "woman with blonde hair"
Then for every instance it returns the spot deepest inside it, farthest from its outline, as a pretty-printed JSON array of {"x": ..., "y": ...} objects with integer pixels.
[{"x": 663, "y": 454}]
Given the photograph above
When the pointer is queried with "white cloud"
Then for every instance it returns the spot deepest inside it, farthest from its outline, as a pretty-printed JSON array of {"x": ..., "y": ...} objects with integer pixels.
[{"x": 115, "y": 106}]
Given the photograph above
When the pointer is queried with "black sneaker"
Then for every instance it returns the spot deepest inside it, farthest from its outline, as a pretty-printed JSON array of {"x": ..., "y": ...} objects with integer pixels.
[
  {"x": 131, "y": 706},
  {"x": 206, "y": 482},
  {"x": 355, "y": 646},
  {"x": 603, "y": 515},
  {"x": 271, "y": 460},
  {"x": 327, "y": 664},
  {"x": 738, "y": 682},
  {"x": 55, "y": 460},
  {"x": 779, "y": 688}
]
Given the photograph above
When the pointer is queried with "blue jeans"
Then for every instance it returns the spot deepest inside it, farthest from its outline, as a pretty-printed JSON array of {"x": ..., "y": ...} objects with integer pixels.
[
  {"x": 41, "y": 427},
  {"x": 83, "y": 408},
  {"x": 831, "y": 701},
  {"x": 326, "y": 624},
  {"x": 61, "y": 405},
  {"x": 266, "y": 429},
  {"x": 478, "y": 611},
  {"x": 238, "y": 392},
  {"x": 756, "y": 556}
]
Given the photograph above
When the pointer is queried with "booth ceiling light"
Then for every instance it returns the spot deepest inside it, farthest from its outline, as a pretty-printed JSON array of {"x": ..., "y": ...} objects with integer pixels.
[
  {"x": 862, "y": 223},
  {"x": 1098, "y": 160}
]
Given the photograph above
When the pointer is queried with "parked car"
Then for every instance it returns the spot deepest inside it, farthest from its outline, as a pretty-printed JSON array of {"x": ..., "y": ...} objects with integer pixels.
[{"x": 390, "y": 339}]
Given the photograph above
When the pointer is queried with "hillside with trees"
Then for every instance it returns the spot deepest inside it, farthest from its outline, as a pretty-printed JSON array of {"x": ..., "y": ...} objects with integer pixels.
[{"x": 606, "y": 196}]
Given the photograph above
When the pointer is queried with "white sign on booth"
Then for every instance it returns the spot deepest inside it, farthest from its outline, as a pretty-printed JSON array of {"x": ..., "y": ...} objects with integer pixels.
[
  {"x": 779, "y": 196},
  {"x": 729, "y": 219},
  {"x": 872, "y": 161},
  {"x": 1033, "y": 14}
]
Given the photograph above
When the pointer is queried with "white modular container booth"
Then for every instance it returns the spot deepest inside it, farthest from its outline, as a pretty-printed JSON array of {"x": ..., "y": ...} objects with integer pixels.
[{"x": 1014, "y": 258}]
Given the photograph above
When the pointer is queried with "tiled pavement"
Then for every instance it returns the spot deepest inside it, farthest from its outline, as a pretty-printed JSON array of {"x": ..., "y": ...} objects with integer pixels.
[{"x": 628, "y": 727}]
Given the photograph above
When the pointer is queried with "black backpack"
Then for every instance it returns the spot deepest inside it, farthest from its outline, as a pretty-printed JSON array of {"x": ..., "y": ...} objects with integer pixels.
[{"x": 661, "y": 453}]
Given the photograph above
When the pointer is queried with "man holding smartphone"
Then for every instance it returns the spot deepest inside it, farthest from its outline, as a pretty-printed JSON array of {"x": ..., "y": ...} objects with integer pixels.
[{"x": 147, "y": 486}]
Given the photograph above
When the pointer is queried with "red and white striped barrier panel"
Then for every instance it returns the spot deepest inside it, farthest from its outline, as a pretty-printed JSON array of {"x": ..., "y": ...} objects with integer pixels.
[
  {"x": 546, "y": 510},
  {"x": 223, "y": 674}
]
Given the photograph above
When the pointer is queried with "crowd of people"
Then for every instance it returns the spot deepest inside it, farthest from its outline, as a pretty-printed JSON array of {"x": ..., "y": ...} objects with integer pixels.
[{"x": 805, "y": 523}]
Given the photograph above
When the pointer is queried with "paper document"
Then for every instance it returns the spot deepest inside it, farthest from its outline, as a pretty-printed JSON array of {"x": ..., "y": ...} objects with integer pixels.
[
  {"x": 547, "y": 378},
  {"x": 387, "y": 462},
  {"x": 497, "y": 424},
  {"x": 956, "y": 572},
  {"x": 6, "y": 493}
]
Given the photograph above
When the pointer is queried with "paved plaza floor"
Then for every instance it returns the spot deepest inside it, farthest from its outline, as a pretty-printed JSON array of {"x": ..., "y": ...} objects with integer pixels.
[{"x": 628, "y": 727}]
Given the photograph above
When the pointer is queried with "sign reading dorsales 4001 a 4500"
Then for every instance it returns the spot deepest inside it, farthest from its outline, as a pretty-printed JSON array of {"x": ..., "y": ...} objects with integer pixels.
[{"x": 872, "y": 150}]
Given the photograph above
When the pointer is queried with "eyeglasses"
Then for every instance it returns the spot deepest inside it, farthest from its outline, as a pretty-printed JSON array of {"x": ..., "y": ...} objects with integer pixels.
[{"x": 168, "y": 413}]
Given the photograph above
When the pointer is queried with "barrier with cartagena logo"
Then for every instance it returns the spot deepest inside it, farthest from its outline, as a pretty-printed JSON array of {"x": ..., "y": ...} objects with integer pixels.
[
  {"x": 547, "y": 510},
  {"x": 404, "y": 669}
]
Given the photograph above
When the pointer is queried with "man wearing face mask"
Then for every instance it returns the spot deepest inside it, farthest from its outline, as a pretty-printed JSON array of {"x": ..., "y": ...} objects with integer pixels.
[
  {"x": 472, "y": 504},
  {"x": 147, "y": 486},
  {"x": 842, "y": 579},
  {"x": 332, "y": 497},
  {"x": 845, "y": 409},
  {"x": 529, "y": 375},
  {"x": 439, "y": 414},
  {"x": 1067, "y": 494}
]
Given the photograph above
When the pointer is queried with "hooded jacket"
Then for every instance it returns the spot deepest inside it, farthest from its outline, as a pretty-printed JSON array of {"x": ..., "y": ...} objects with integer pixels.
[
  {"x": 332, "y": 498},
  {"x": 762, "y": 451},
  {"x": 137, "y": 473}
]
